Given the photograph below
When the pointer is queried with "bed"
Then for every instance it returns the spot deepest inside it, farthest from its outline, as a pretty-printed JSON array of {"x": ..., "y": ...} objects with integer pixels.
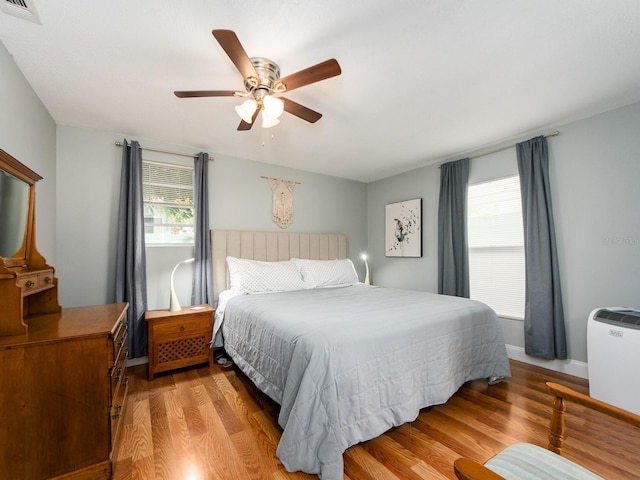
[{"x": 345, "y": 361}]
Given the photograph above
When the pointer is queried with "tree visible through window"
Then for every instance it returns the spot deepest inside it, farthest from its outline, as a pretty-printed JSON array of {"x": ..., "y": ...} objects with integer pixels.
[
  {"x": 168, "y": 203},
  {"x": 496, "y": 246}
]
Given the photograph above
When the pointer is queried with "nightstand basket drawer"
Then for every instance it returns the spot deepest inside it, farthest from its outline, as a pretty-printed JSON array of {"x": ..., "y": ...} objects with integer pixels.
[{"x": 192, "y": 349}]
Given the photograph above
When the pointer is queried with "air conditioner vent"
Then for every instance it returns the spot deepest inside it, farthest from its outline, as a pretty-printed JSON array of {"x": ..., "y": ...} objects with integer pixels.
[{"x": 25, "y": 9}]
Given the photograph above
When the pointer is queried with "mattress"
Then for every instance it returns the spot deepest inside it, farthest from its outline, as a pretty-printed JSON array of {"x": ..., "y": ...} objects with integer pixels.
[{"x": 346, "y": 364}]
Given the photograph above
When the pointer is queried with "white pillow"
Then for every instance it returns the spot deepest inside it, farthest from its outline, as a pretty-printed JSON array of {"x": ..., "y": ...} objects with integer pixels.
[
  {"x": 327, "y": 273},
  {"x": 254, "y": 276}
]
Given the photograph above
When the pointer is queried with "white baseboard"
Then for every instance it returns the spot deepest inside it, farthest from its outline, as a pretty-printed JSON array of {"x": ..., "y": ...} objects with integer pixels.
[
  {"x": 134, "y": 362},
  {"x": 570, "y": 367}
]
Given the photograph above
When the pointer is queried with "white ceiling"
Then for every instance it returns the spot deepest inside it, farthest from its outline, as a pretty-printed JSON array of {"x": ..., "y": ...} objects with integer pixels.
[{"x": 422, "y": 80}]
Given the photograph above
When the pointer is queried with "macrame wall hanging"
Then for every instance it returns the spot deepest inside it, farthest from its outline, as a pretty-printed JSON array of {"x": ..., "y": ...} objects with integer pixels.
[{"x": 282, "y": 200}]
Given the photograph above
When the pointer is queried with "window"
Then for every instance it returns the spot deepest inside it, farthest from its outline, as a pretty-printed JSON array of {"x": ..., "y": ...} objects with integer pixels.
[
  {"x": 496, "y": 246},
  {"x": 168, "y": 203}
]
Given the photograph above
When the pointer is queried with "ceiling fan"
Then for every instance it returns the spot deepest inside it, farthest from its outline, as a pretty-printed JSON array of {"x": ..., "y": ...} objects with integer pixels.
[{"x": 264, "y": 85}]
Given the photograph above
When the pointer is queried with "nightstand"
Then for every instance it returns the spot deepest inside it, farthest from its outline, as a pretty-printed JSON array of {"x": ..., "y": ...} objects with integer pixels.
[{"x": 179, "y": 339}]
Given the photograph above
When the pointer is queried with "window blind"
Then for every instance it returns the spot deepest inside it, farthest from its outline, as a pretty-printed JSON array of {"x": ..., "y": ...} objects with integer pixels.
[
  {"x": 167, "y": 184},
  {"x": 168, "y": 203},
  {"x": 496, "y": 246}
]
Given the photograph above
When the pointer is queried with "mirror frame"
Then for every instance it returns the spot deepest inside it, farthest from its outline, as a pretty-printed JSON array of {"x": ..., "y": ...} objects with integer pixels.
[{"x": 12, "y": 166}]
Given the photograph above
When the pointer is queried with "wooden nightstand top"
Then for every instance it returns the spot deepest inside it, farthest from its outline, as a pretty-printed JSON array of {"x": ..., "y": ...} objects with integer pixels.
[{"x": 151, "y": 315}]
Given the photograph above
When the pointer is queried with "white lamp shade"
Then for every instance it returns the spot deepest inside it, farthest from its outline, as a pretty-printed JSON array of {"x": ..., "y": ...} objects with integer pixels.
[
  {"x": 273, "y": 107},
  {"x": 247, "y": 109},
  {"x": 174, "y": 304},
  {"x": 267, "y": 121},
  {"x": 366, "y": 265}
]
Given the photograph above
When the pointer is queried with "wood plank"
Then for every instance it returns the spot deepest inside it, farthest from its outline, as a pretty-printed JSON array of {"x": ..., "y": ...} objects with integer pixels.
[{"x": 235, "y": 431}]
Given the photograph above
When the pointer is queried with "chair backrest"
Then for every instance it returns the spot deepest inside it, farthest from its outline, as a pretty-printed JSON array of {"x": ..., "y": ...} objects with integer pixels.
[
  {"x": 466, "y": 469},
  {"x": 561, "y": 395}
]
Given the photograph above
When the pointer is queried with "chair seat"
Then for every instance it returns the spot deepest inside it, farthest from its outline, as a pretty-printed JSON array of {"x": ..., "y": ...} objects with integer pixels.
[{"x": 523, "y": 461}]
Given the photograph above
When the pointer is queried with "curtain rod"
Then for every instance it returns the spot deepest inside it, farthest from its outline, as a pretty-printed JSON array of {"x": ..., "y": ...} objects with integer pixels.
[
  {"x": 272, "y": 178},
  {"x": 119, "y": 144},
  {"x": 552, "y": 134}
]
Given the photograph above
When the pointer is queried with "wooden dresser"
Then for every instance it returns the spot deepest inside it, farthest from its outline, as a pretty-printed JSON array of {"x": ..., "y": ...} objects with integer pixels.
[
  {"x": 63, "y": 380},
  {"x": 63, "y": 385}
]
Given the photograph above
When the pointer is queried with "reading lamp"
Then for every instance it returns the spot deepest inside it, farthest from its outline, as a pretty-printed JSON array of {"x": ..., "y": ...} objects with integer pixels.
[
  {"x": 174, "y": 304},
  {"x": 366, "y": 265}
]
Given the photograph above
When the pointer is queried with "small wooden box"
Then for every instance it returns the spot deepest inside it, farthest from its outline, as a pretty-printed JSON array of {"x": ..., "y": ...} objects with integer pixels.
[{"x": 179, "y": 339}]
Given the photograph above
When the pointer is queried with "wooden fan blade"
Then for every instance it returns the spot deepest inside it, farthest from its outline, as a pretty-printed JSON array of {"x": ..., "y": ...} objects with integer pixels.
[
  {"x": 301, "y": 111},
  {"x": 230, "y": 44},
  {"x": 321, "y": 71},
  {"x": 205, "y": 93},
  {"x": 247, "y": 126},
  {"x": 244, "y": 126}
]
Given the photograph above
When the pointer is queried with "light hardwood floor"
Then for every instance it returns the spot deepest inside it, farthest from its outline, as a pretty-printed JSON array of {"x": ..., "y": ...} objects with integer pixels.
[{"x": 211, "y": 423}]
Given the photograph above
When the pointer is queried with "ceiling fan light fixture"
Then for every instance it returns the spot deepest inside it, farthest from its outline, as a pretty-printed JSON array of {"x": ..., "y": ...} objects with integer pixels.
[
  {"x": 273, "y": 107},
  {"x": 268, "y": 121},
  {"x": 247, "y": 109},
  {"x": 262, "y": 81}
]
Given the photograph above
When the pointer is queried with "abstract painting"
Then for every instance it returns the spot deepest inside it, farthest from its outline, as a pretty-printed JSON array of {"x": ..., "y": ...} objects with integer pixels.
[{"x": 403, "y": 229}]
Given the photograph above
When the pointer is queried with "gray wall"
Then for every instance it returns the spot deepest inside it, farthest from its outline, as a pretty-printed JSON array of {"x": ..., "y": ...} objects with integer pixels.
[
  {"x": 594, "y": 173},
  {"x": 594, "y": 169},
  {"x": 28, "y": 133},
  {"x": 77, "y": 201},
  {"x": 88, "y": 189}
]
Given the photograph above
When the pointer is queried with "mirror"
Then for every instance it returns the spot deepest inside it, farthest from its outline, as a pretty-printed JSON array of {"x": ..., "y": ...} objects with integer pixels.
[
  {"x": 14, "y": 209},
  {"x": 28, "y": 285},
  {"x": 17, "y": 199}
]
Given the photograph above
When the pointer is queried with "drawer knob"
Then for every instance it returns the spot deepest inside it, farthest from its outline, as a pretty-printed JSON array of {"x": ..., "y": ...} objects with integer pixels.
[
  {"x": 182, "y": 328},
  {"x": 29, "y": 284},
  {"x": 47, "y": 279}
]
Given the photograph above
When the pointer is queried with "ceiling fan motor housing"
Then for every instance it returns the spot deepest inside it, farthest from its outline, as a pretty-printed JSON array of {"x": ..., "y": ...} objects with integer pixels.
[{"x": 268, "y": 72}]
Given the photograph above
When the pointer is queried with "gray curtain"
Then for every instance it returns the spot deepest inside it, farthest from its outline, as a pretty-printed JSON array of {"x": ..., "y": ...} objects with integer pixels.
[
  {"x": 453, "y": 257},
  {"x": 131, "y": 271},
  {"x": 544, "y": 335},
  {"x": 202, "y": 286}
]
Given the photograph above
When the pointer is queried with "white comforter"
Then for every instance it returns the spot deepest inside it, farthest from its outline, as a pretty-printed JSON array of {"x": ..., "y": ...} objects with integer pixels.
[{"x": 346, "y": 364}]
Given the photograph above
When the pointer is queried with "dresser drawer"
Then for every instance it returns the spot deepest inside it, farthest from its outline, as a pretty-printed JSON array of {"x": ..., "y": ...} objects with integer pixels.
[
  {"x": 28, "y": 282},
  {"x": 120, "y": 346},
  {"x": 118, "y": 374},
  {"x": 45, "y": 279},
  {"x": 35, "y": 281},
  {"x": 118, "y": 401}
]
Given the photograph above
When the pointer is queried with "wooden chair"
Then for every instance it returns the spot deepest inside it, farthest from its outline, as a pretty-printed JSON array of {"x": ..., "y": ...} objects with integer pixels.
[{"x": 525, "y": 461}]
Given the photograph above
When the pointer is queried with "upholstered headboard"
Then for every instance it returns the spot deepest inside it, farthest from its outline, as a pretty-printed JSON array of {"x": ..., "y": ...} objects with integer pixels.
[{"x": 270, "y": 247}]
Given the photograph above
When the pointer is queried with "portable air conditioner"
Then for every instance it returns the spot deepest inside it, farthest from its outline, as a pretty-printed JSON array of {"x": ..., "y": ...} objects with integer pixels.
[{"x": 613, "y": 348}]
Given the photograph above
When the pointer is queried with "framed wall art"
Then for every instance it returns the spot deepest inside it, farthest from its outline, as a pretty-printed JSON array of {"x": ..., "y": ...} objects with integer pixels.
[{"x": 403, "y": 229}]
